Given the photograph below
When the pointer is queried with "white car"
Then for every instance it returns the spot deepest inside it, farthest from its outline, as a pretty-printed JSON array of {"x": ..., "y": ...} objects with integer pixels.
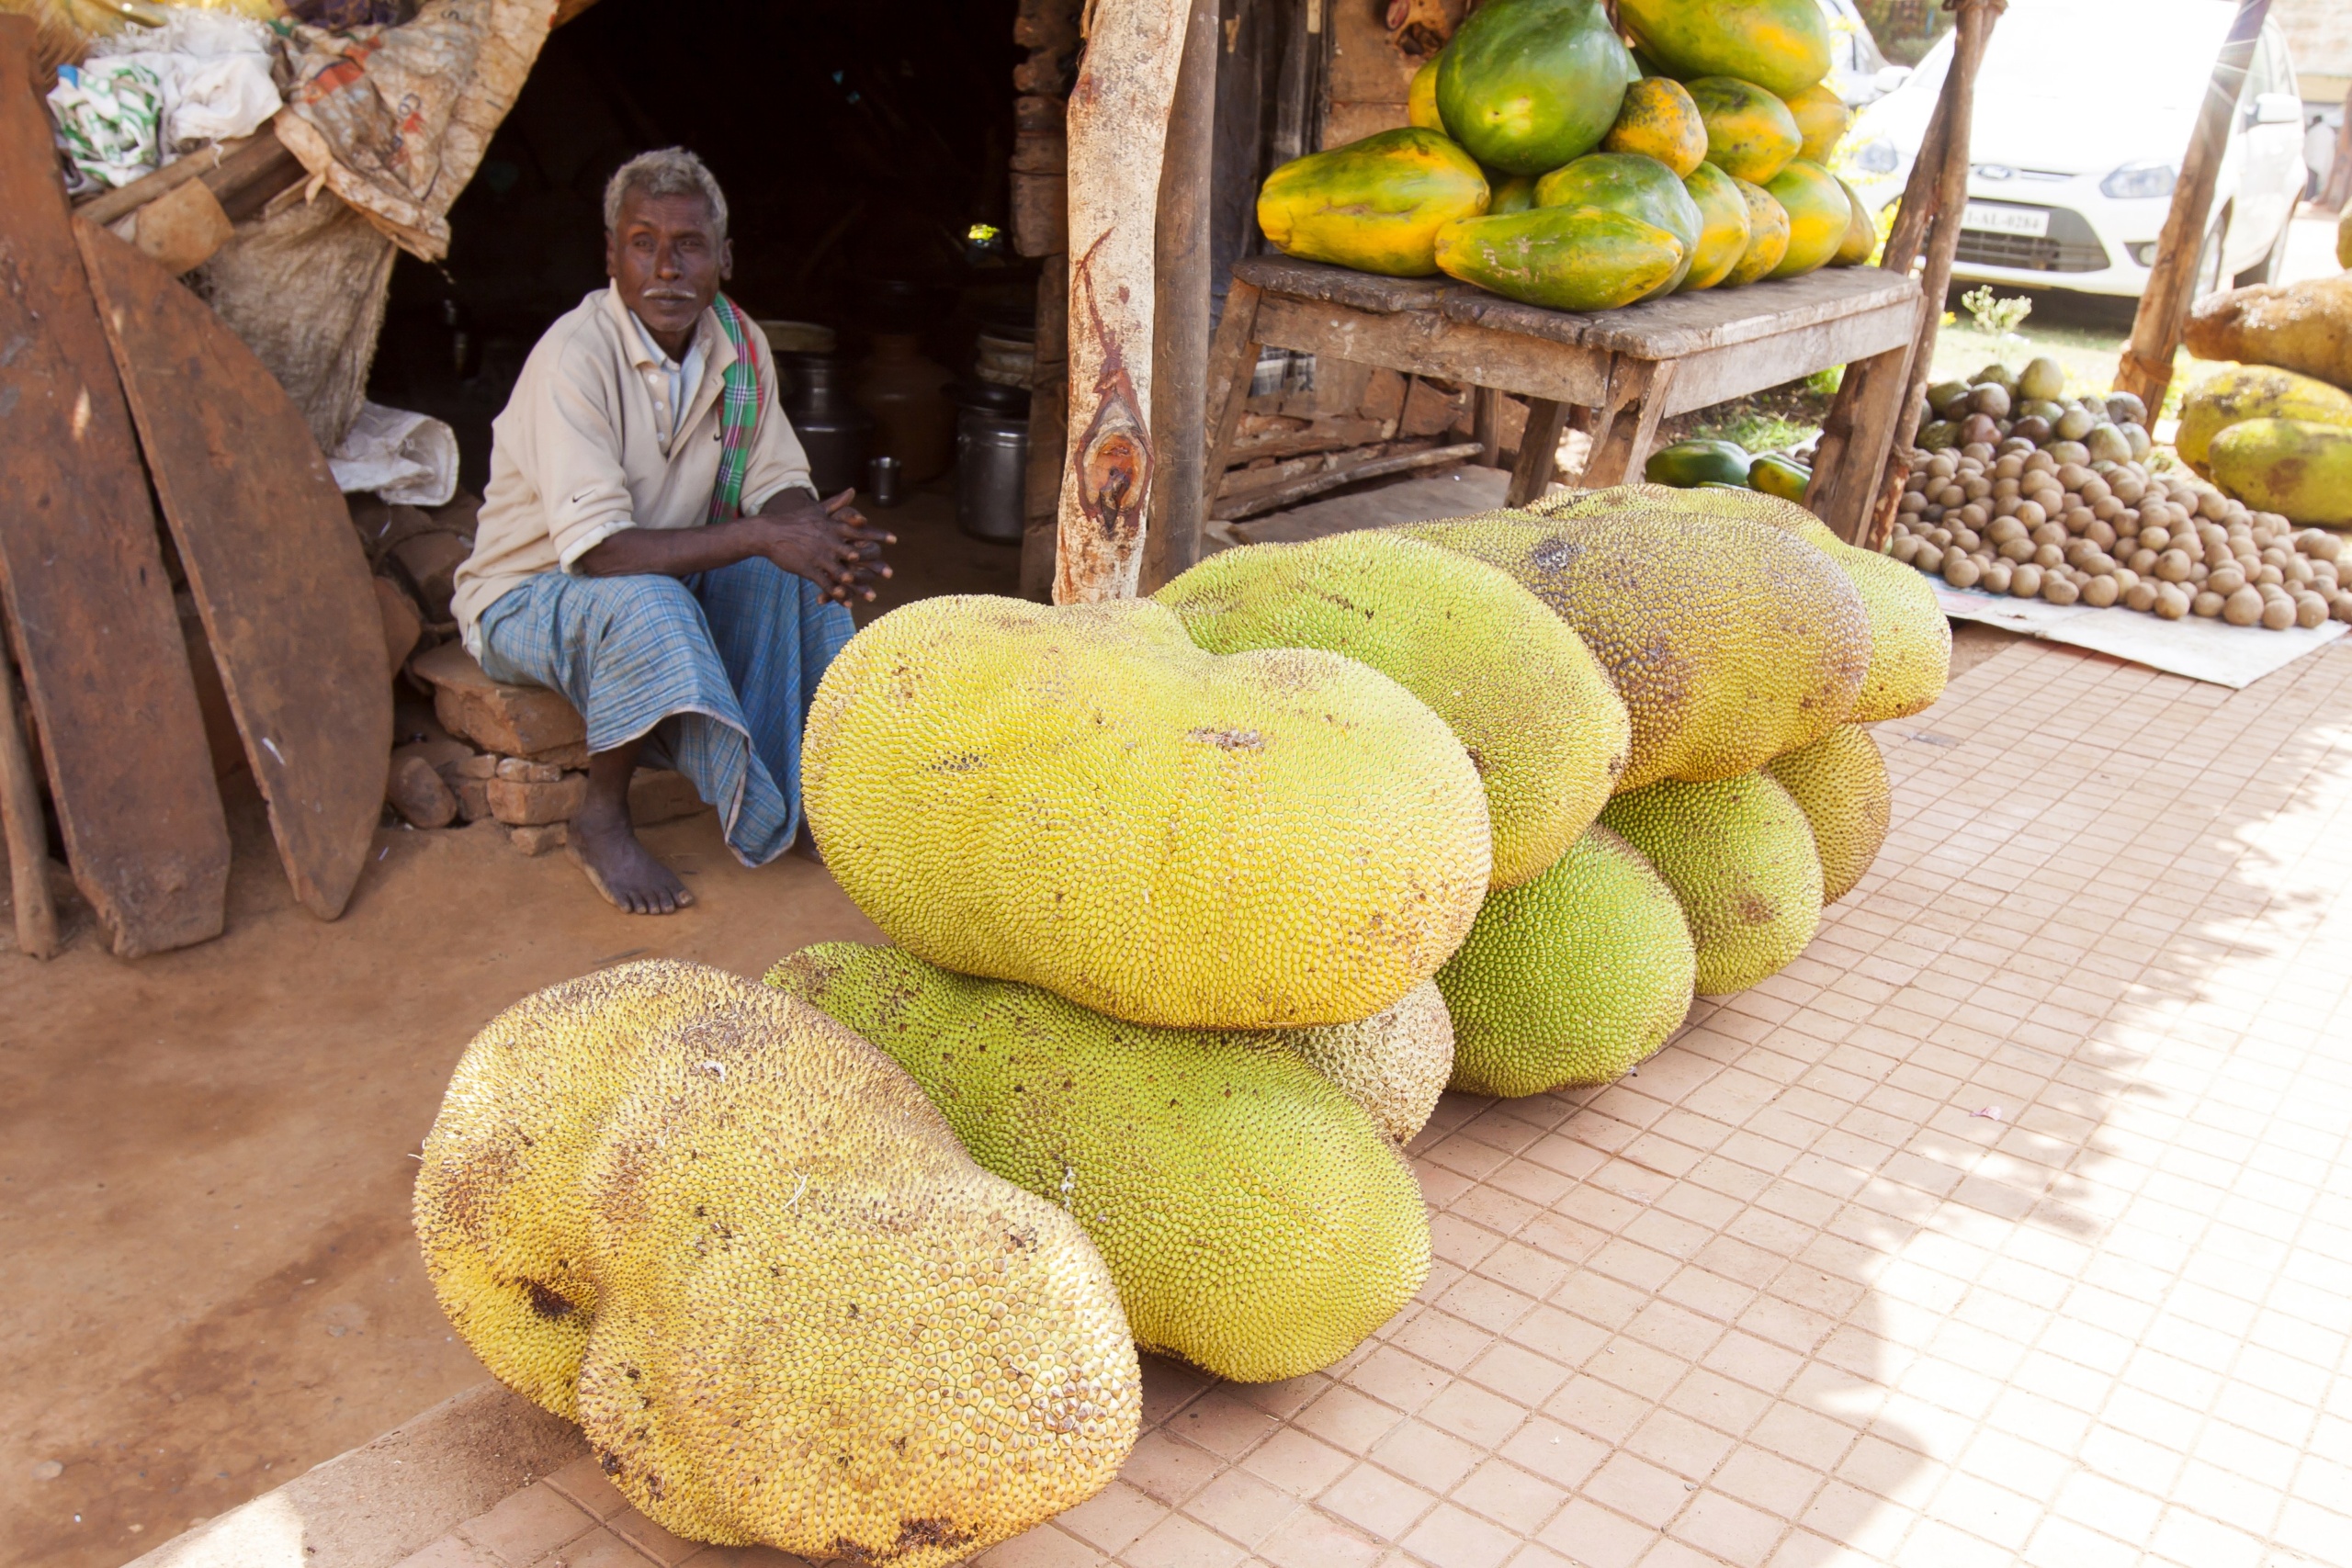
[{"x": 2084, "y": 109}]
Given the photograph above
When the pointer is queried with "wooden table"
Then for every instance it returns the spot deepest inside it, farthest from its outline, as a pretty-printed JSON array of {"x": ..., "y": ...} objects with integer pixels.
[{"x": 1631, "y": 366}]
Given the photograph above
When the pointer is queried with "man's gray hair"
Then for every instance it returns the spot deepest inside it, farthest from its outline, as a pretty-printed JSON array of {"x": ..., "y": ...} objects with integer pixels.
[{"x": 672, "y": 171}]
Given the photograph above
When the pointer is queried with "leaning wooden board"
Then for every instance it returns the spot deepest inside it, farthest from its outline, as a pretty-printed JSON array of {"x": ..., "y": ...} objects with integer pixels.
[
  {"x": 82, "y": 572},
  {"x": 278, "y": 574}
]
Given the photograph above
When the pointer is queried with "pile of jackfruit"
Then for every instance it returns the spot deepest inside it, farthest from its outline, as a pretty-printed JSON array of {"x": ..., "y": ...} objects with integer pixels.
[{"x": 1195, "y": 905}]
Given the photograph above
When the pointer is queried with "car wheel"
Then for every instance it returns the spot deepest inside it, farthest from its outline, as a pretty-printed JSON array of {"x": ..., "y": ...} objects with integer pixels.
[{"x": 2269, "y": 268}]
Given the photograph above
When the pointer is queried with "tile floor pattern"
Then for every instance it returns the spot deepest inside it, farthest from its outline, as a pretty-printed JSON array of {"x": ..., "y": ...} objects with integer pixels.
[{"x": 2013, "y": 1224}]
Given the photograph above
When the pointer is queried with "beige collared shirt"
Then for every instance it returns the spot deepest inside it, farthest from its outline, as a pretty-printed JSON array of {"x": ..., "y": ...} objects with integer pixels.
[{"x": 585, "y": 448}]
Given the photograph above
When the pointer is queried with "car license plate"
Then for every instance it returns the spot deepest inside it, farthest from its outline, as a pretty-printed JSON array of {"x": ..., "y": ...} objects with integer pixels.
[{"x": 2033, "y": 220}]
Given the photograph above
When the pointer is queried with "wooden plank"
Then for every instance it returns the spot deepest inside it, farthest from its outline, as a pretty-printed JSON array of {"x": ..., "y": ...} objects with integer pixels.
[
  {"x": 1539, "y": 452},
  {"x": 106, "y": 672},
  {"x": 1716, "y": 374},
  {"x": 1487, "y": 426},
  {"x": 1425, "y": 342},
  {"x": 28, "y": 834},
  {"x": 1340, "y": 285},
  {"x": 1233, "y": 361},
  {"x": 1640, "y": 390},
  {"x": 1684, "y": 324},
  {"x": 1252, "y": 503},
  {"x": 279, "y": 578},
  {"x": 1171, "y": 539},
  {"x": 242, "y": 175},
  {"x": 1850, "y": 456}
]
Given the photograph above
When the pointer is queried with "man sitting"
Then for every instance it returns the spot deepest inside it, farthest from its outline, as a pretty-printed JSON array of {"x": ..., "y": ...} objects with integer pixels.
[{"x": 652, "y": 546}]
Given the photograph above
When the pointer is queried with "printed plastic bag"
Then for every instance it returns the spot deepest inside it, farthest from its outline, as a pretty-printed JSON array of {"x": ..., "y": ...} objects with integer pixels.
[{"x": 109, "y": 117}]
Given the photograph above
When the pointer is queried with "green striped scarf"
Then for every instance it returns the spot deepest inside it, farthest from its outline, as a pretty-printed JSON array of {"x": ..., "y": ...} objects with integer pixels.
[{"x": 739, "y": 407}]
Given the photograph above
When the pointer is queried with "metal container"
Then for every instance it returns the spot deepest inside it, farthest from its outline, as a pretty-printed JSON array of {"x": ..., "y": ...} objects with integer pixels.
[
  {"x": 882, "y": 475},
  {"x": 991, "y": 473},
  {"x": 833, "y": 431}
]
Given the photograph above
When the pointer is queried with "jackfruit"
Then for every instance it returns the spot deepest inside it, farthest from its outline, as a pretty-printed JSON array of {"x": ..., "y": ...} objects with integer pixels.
[
  {"x": 1729, "y": 641},
  {"x": 1538, "y": 716},
  {"x": 2233, "y": 394},
  {"x": 1394, "y": 1064},
  {"x": 1257, "y": 1223},
  {"x": 1910, "y": 639},
  {"x": 740, "y": 1245},
  {"x": 1081, "y": 799},
  {"x": 2305, "y": 327},
  {"x": 1839, "y": 783},
  {"x": 1739, "y": 856},
  {"x": 1571, "y": 979}
]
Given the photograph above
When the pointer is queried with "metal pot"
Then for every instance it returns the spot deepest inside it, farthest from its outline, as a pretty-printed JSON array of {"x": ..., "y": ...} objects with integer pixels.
[
  {"x": 991, "y": 473},
  {"x": 833, "y": 431}
]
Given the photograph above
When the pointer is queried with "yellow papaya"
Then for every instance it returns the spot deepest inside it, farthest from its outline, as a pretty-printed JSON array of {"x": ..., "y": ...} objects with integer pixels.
[
  {"x": 2298, "y": 468},
  {"x": 1660, "y": 120},
  {"x": 2235, "y": 393},
  {"x": 1768, "y": 234},
  {"x": 1513, "y": 193},
  {"x": 1724, "y": 233},
  {"x": 1822, "y": 118},
  {"x": 1570, "y": 258},
  {"x": 1631, "y": 183},
  {"x": 1375, "y": 204},
  {"x": 1861, "y": 231},
  {"x": 1420, "y": 98},
  {"x": 1782, "y": 45},
  {"x": 1528, "y": 85},
  {"x": 1819, "y": 215},
  {"x": 1751, "y": 133}
]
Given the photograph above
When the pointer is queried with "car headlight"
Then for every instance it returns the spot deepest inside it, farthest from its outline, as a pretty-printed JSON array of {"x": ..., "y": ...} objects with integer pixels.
[
  {"x": 1877, "y": 156},
  {"x": 2145, "y": 178}
]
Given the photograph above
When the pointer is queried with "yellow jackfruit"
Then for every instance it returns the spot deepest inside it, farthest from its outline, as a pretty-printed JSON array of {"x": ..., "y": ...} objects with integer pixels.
[
  {"x": 1394, "y": 1064},
  {"x": 740, "y": 1245},
  {"x": 1910, "y": 639},
  {"x": 1730, "y": 642},
  {"x": 1740, "y": 857},
  {"x": 1257, "y": 1223},
  {"x": 1081, "y": 799},
  {"x": 1539, "y": 717},
  {"x": 1839, "y": 783},
  {"x": 1571, "y": 979},
  {"x": 2235, "y": 393}
]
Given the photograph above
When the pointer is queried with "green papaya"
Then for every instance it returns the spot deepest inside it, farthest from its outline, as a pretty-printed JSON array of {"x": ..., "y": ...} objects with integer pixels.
[
  {"x": 1768, "y": 234},
  {"x": 1513, "y": 193},
  {"x": 1375, "y": 204},
  {"x": 1659, "y": 120},
  {"x": 1568, "y": 258},
  {"x": 1723, "y": 239},
  {"x": 1780, "y": 45},
  {"x": 2235, "y": 393},
  {"x": 1638, "y": 187},
  {"x": 1700, "y": 460},
  {"x": 1751, "y": 133},
  {"x": 1784, "y": 477},
  {"x": 1420, "y": 98},
  {"x": 1819, "y": 215},
  {"x": 1822, "y": 118},
  {"x": 1861, "y": 231},
  {"x": 1528, "y": 85},
  {"x": 2298, "y": 468}
]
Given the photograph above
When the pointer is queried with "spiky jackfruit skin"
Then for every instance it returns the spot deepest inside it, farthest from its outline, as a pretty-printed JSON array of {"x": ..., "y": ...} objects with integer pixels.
[
  {"x": 1538, "y": 716},
  {"x": 1083, "y": 799},
  {"x": 1729, "y": 641},
  {"x": 1571, "y": 979},
  {"x": 1839, "y": 783},
  {"x": 1739, "y": 856},
  {"x": 1256, "y": 1222},
  {"x": 1394, "y": 1064},
  {"x": 809, "y": 1320},
  {"x": 1910, "y": 639}
]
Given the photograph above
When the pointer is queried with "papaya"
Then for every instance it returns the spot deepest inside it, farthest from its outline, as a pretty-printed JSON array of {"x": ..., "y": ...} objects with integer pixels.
[
  {"x": 1784, "y": 477},
  {"x": 2298, "y": 468},
  {"x": 1819, "y": 215},
  {"x": 1723, "y": 239},
  {"x": 1822, "y": 118},
  {"x": 1768, "y": 234},
  {"x": 1861, "y": 231},
  {"x": 1660, "y": 120},
  {"x": 1420, "y": 98},
  {"x": 1375, "y": 204},
  {"x": 1687, "y": 465},
  {"x": 1513, "y": 193},
  {"x": 1528, "y": 85},
  {"x": 1780, "y": 45},
  {"x": 1636, "y": 185},
  {"x": 1751, "y": 133},
  {"x": 1570, "y": 258},
  {"x": 2235, "y": 393}
]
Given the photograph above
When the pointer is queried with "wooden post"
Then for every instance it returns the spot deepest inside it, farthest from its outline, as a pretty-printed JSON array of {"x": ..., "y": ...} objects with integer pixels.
[
  {"x": 27, "y": 837},
  {"x": 2146, "y": 367},
  {"x": 2339, "y": 172},
  {"x": 1181, "y": 333},
  {"x": 1048, "y": 30}
]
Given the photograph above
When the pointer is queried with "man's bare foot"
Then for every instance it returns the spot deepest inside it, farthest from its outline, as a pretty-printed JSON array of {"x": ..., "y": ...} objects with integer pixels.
[{"x": 624, "y": 870}]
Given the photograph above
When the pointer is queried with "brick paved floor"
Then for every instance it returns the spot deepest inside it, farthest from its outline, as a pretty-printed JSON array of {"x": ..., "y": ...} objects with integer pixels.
[{"x": 2013, "y": 1224}]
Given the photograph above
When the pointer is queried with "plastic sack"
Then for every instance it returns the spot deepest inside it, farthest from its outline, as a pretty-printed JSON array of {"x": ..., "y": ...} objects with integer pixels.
[
  {"x": 408, "y": 458},
  {"x": 108, "y": 118},
  {"x": 215, "y": 70}
]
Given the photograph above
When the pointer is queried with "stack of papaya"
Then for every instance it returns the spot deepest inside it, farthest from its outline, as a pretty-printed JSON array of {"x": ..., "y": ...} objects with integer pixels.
[{"x": 1552, "y": 161}]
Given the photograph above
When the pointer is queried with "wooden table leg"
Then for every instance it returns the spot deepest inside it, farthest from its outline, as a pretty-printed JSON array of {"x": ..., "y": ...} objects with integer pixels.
[
  {"x": 1539, "y": 452},
  {"x": 1848, "y": 463},
  {"x": 1487, "y": 426},
  {"x": 1627, "y": 423},
  {"x": 27, "y": 838},
  {"x": 1233, "y": 361}
]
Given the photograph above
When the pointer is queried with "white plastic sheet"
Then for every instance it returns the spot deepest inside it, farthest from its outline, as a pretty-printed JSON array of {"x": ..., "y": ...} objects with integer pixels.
[
  {"x": 407, "y": 458},
  {"x": 2213, "y": 652}
]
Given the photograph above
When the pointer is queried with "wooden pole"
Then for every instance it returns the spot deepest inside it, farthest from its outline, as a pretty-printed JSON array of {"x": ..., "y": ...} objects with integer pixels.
[
  {"x": 27, "y": 838},
  {"x": 2339, "y": 172},
  {"x": 2146, "y": 367},
  {"x": 1180, "y": 352}
]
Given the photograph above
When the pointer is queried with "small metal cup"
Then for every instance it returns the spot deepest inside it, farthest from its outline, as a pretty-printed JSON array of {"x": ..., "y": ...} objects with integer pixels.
[{"x": 882, "y": 480}]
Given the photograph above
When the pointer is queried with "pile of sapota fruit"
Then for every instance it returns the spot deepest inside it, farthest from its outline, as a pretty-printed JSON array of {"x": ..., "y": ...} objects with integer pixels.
[
  {"x": 1552, "y": 162},
  {"x": 1197, "y": 904}
]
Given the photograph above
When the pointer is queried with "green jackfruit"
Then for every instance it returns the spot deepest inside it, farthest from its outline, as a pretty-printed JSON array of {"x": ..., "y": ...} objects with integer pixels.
[
  {"x": 1083, "y": 799},
  {"x": 1740, "y": 857},
  {"x": 1730, "y": 641},
  {"x": 741, "y": 1249},
  {"x": 1538, "y": 716},
  {"x": 1571, "y": 979},
  {"x": 1839, "y": 783},
  {"x": 2297, "y": 467},
  {"x": 1256, "y": 1222}
]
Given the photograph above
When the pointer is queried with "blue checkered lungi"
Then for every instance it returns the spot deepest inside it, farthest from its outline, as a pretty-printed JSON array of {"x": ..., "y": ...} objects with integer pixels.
[{"x": 715, "y": 670}]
